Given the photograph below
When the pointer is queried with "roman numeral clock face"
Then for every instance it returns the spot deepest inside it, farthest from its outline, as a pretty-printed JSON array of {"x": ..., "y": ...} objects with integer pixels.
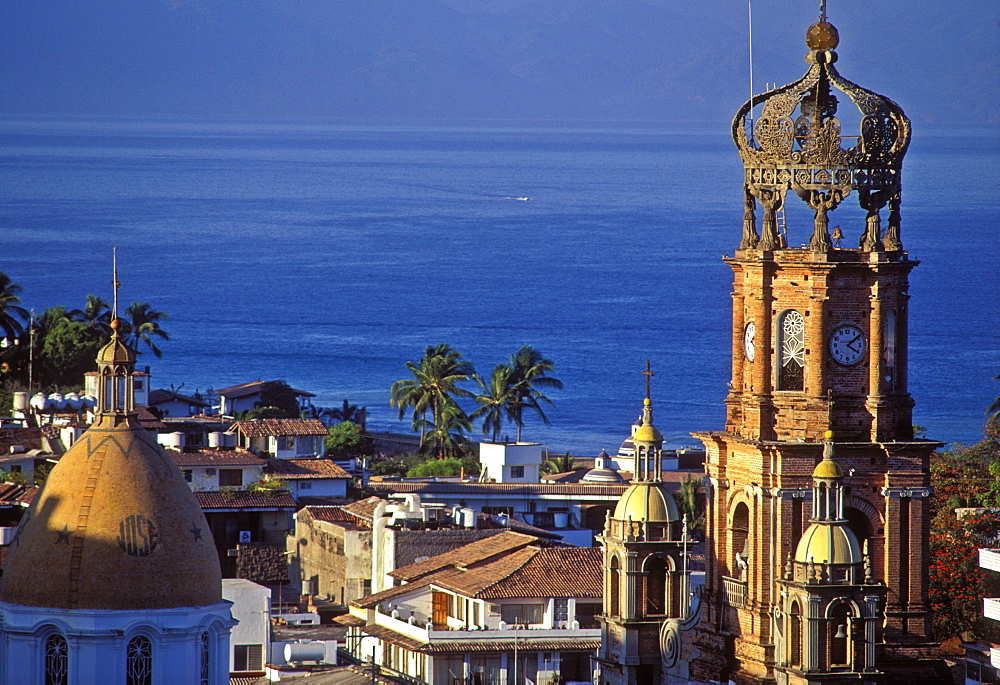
[{"x": 847, "y": 344}]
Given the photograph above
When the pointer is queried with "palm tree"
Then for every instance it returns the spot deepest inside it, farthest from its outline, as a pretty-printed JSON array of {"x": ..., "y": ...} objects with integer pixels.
[
  {"x": 494, "y": 400},
  {"x": 559, "y": 464},
  {"x": 96, "y": 314},
  {"x": 691, "y": 502},
  {"x": 529, "y": 371},
  {"x": 445, "y": 437},
  {"x": 994, "y": 410},
  {"x": 11, "y": 311},
  {"x": 143, "y": 323},
  {"x": 434, "y": 384}
]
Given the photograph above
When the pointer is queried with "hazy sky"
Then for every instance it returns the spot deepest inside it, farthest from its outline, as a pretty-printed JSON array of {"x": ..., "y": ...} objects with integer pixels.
[{"x": 479, "y": 59}]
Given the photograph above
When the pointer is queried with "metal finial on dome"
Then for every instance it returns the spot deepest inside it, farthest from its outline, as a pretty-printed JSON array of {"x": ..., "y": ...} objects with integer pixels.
[
  {"x": 115, "y": 284},
  {"x": 822, "y": 10}
]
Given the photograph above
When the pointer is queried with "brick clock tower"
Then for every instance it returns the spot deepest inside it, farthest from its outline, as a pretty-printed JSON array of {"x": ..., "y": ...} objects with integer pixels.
[{"x": 819, "y": 343}]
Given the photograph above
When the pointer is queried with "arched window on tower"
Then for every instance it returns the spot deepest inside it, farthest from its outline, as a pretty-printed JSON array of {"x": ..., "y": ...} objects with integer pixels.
[
  {"x": 839, "y": 631},
  {"x": 139, "y": 661},
  {"x": 614, "y": 608},
  {"x": 56, "y": 660},
  {"x": 795, "y": 634},
  {"x": 739, "y": 531},
  {"x": 791, "y": 351},
  {"x": 656, "y": 587},
  {"x": 204, "y": 654}
]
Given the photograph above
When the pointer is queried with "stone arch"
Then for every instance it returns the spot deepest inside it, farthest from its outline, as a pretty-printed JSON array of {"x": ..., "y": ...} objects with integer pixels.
[{"x": 738, "y": 523}]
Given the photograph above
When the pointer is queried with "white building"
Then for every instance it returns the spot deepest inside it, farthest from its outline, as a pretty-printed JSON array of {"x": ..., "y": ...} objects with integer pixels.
[
  {"x": 251, "y": 637},
  {"x": 503, "y": 609},
  {"x": 511, "y": 463},
  {"x": 281, "y": 438}
]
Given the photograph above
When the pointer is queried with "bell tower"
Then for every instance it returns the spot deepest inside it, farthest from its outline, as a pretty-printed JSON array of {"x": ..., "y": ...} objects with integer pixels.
[{"x": 819, "y": 342}]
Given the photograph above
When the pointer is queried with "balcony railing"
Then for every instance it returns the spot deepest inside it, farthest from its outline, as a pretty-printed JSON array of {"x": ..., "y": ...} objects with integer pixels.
[
  {"x": 419, "y": 632},
  {"x": 734, "y": 592},
  {"x": 991, "y": 608}
]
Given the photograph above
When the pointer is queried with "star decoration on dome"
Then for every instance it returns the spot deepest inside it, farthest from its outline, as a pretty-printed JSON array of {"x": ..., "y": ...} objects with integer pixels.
[
  {"x": 195, "y": 531},
  {"x": 63, "y": 534}
]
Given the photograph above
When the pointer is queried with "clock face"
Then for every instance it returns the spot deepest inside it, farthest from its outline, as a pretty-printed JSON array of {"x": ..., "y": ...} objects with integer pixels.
[
  {"x": 749, "y": 340},
  {"x": 847, "y": 344}
]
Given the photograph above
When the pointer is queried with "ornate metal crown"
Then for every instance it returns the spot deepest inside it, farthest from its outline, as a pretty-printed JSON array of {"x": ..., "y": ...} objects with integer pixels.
[{"x": 796, "y": 144}]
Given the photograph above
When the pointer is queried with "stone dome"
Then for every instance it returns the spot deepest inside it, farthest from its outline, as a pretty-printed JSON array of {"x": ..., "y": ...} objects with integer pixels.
[
  {"x": 116, "y": 351},
  {"x": 114, "y": 527},
  {"x": 648, "y": 502},
  {"x": 828, "y": 543}
]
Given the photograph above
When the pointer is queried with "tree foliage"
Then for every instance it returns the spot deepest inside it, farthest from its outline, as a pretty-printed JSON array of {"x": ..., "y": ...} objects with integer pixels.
[
  {"x": 559, "y": 464},
  {"x": 12, "y": 314},
  {"x": 963, "y": 477},
  {"x": 437, "y": 468},
  {"x": 346, "y": 439},
  {"x": 529, "y": 371}
]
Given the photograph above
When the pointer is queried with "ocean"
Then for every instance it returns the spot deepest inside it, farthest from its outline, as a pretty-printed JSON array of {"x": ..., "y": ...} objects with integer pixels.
[{"x": 329, "y": 255}]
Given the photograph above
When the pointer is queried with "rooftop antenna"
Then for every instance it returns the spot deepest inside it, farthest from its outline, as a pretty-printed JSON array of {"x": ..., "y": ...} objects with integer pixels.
[
  {"x": 115, "y": 284},
  {"x": 750, "y": 34}
]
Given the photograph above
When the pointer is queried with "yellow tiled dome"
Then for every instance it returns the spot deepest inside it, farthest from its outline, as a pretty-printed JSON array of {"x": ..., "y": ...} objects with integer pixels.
[
  {"x": 647, "y": 502},
  {"x": 114, "y": 527},
  {"x": 116, "y": 351},
  {"x": 828, "y": 543}
]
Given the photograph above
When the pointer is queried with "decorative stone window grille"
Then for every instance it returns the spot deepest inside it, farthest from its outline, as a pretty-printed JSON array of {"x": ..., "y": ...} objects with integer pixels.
[
  {"x": 791, "y": 354},
  {"x": 139, "y": 661},
  {"x": 203, "y": 646},
  {"x": 56, "y": 660}
]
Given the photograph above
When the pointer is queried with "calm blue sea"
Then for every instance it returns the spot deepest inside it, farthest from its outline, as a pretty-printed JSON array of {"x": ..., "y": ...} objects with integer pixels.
[{"x": 330, "y": 255}]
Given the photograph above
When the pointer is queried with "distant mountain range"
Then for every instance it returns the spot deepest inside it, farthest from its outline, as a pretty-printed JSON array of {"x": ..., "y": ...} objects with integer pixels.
[{"x": 557, "y": 60}]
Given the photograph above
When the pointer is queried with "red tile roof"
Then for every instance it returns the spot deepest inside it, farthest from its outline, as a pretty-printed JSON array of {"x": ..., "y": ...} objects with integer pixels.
[
  {"x": 215, "y": 457},
  {"x": 244, "y": 499},
  {"x": 260, "y": 428},
  {"x": 252, "y": 388},
  {"x": 301, "y": 469},
  {"x": 475, "y": 552},
  {"x": 554, "y": 572},
  {"x": 365, "y": 508}
]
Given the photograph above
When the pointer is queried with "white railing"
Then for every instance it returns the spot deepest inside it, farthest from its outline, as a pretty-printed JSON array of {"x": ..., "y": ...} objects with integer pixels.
[
  {"x": 521, "y": 634},
  {"x": 991, "y": 608},
  {"x": 989, "y": 559},
  {"x": 735, "y": 591}
]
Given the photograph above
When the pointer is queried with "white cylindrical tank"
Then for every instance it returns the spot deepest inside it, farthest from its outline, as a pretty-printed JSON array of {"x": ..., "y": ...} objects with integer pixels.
[
  {"x": 39, "y": 402},
  {"x": 305, "y": 650},
  {"x": 89, "y": 401},
  {"x": 174, "y": 439},
  {"x": 57, "y": 401},
  {"x": 468, "y": 518},
  {"x": 215, "y": 439},
  {"x": 21, "y": 402},
  {"x": 74, "y": 401}
]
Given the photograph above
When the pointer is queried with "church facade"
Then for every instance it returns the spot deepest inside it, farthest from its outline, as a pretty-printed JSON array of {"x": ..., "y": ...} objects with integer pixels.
[
  {"x": 817, "y": 489},
  {"x": 819, "y": 356}
]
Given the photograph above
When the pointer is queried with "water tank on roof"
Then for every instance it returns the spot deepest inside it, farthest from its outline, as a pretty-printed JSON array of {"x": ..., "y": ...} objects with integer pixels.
[
  {"x": 305, "y": 650},
  {"x": 57, "y": 401},
  {"x": 39, "y": 402},
  {"x": 468, "y": 518},
  {"x": 175, "y": 439},
  {"x": 74, "y": 401},
  {"x": 89, "y": 401},
  {"x": 21, "y": 402},
  {"x": 215, "y": 439}
]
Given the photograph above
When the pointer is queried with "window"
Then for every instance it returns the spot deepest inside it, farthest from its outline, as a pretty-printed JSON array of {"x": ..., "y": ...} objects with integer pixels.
[
  {"x": 656, "y": 587},
  {"x": 204, "y": 675},
  {"x": 613, "y": 607},
  {"x": 521, "y": 614},
  {"x": 248, "y": 658},
  {"x": 791, "y": 351},
  {"x": 187, "y": 474},
  {"x": 740, "y": 535},
  {"x": 587, "y": 613},
  {"x": 305, "y": 485},
  {"x": 795, "y": 635},
  {"x": 230, "y": 478},
  {"x": 517, "y": 472},
  {"x": 139, "y": 661},
  {"x": 56, "y": 660},
  {"x": 285, "y": 442}
]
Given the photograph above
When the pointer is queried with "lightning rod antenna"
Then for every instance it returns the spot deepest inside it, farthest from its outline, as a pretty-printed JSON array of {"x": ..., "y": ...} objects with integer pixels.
[
  {"x": 115, "y": 284},
  {"x": 750, "y": 35}
]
